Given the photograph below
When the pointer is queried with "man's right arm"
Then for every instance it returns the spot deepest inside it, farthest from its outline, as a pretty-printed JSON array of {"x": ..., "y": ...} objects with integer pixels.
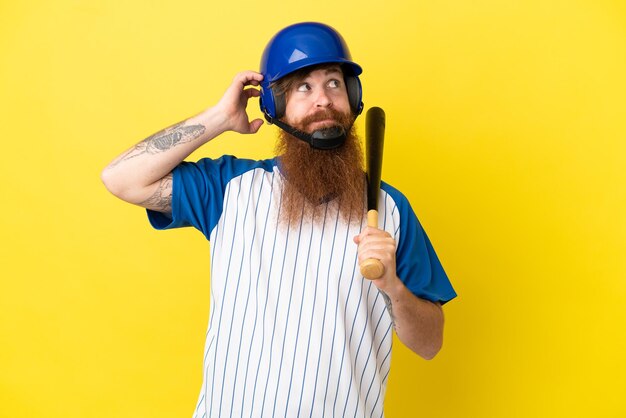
[{"x": 143, "y": 174}]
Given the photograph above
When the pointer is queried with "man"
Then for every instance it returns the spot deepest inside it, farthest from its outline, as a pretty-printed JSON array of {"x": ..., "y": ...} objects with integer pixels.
[{"x": 295, "y": 329}]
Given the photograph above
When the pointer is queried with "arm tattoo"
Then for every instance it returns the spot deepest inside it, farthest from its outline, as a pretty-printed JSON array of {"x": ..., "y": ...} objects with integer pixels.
[
  {"x": 389, "y": 308},
  {"x": 161, "y": 200},
  {"x": 169, "y": 138},
  {"x": 163, "y": 140}
]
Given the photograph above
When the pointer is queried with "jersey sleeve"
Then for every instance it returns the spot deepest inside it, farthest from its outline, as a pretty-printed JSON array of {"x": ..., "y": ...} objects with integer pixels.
[
  {"x": 417, "y": 264},
  {"x": 198, "y": 193}
]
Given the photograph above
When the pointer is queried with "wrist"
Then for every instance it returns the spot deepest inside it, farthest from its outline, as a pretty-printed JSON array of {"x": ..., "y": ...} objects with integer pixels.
[
  {"x": 393, "y": 288},
  {"x": 214, "y": 120}
]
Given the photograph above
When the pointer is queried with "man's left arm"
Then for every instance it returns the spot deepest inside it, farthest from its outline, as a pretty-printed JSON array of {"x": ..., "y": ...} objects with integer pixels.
[{"x": 418, "y": 322}]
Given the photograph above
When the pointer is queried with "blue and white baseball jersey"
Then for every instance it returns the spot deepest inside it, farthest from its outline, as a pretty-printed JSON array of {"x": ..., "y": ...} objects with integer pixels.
[{"x": 294, "y": 329}]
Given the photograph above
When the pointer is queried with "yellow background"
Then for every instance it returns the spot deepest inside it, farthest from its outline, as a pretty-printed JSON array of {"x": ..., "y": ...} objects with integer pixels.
[{"x": 506, "y": 128}]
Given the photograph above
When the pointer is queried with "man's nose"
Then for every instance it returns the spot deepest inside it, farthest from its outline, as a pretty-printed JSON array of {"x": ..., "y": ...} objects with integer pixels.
[{"x": 323, "y": 99}]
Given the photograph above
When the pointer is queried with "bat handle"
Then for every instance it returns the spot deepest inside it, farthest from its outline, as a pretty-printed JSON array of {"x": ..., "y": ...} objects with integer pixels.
[{"x": 372, "y": 268}]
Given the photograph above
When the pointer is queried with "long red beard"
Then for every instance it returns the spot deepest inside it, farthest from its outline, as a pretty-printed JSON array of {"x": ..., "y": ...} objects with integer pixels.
[{"x": 313, "y": 177}]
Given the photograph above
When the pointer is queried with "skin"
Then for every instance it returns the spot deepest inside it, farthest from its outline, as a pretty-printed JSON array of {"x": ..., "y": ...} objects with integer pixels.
[
  {"x": 319, "y": 90},
  {"x": 142, "y": 176}
]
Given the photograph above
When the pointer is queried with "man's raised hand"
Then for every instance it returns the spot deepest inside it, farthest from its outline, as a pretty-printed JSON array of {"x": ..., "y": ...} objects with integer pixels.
[{"x": 234, "y": 102}]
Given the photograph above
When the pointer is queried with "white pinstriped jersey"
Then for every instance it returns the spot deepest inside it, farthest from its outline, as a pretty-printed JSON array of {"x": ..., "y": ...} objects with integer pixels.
[{"x": 294, "y": 329}]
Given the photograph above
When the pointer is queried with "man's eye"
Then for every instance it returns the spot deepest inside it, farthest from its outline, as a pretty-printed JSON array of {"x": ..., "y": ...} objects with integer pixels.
[
  {"x": 333, "y": 83},
  {"x": 304, "y": 87}
]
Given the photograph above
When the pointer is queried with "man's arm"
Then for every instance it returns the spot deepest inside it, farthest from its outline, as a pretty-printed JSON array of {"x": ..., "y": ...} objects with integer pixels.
[
  {"x": 418, "y": 322},
  {"x": 142, "y": 174}
]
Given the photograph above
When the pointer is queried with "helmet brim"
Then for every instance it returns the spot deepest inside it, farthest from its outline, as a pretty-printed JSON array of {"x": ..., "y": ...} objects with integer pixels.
[{"x": 348, "y": 66}]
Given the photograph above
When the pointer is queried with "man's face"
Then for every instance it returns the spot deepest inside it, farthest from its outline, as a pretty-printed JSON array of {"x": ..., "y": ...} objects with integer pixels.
[
  {"x": 312, "y": 101},
  {"x": 315, "y": 101}
]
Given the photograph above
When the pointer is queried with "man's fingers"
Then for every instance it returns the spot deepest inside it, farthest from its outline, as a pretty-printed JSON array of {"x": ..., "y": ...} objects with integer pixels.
[
  {"x": 252, "y": 93},
  {"x": 255, "y": 125},
  {"x": 375, "y": 243},
  {"x": 372, "y": 232},
  {"x": 369, "y": 246},
  {"x": 247, "y": 78}
]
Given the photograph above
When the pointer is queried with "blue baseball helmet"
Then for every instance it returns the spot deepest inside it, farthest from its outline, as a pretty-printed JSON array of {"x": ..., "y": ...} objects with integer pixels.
[{"x": 303, "y": 45}]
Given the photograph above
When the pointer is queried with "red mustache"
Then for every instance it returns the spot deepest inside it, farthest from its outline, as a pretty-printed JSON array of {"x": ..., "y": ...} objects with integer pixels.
[{"x": 326, "y": 114}]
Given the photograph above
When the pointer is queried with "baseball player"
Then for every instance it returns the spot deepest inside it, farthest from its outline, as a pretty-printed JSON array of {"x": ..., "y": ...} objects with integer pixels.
[{"x": 294, "y": 329}]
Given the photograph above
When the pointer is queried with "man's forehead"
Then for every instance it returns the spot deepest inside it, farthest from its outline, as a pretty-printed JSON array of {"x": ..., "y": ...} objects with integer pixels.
[{"x": 325, "y": 69}]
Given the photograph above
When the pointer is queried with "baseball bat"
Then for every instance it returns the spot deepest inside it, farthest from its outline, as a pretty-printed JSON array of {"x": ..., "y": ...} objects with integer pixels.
[{"x": 372, "y": 268}]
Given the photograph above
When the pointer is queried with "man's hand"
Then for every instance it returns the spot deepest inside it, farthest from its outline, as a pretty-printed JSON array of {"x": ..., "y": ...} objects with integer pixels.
[
  {"x": 235, "y": 100},
  {"x": 379, "y": 244}
]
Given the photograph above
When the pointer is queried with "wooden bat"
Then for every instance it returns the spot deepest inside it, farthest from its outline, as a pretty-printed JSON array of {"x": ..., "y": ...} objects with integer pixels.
[{"x": 374, "y": 138}]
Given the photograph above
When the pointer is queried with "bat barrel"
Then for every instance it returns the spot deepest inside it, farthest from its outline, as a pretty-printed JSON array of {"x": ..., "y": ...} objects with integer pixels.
[{"x": 374, "y": 141}]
